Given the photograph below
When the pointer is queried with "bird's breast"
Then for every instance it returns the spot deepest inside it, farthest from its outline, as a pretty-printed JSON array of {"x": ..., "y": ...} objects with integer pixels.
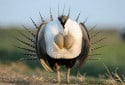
[
  {"x": 60, "y": 46},
  {"x": 64, "y": 41}
]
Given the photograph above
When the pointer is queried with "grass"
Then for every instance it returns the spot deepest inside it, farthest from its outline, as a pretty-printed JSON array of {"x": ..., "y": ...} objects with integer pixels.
[
  {"x": 23, "y": 75},
  {"x": 93, "y": 72}
]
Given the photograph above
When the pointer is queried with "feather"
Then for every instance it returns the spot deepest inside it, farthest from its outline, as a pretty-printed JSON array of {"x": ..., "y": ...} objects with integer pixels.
[
  {"x": 27, "y": 54},
  {"x": 41, "y": 17},
  {"x": 85, "y": 46},
  {"x": 34, "y": 23},
  {"x": 28, "y": 59},
  {"x": 85, "y": 20},
  {"x": 68, "y": 13},
  {"x": 96, "y": 48},
  {"x": 30, "y": 45},
  {"x": 98, "y": 41},
  {"x": 45, "y": 65},
  {"x": 28, "y": 38},
  {"x": 85, "y": 28},
  {"x": 26, "y": 49},
  {"x": 29, "y": 31},
  {"x": 93, "y": 58},
  {"x": 94, "y": 35},
  {"x": 93, "y": 54},
  {"x": 51, "y": 17},
  {"x": 91, "y": 29},
  {"x": 77, "y": 17}
]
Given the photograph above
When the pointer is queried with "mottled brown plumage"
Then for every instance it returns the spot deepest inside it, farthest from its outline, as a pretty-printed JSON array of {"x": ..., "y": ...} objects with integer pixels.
[{"x": 63, "y": 41}]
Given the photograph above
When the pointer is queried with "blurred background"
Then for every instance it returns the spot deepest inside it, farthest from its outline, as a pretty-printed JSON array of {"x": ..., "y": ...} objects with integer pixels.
[{"x": 109, "y": 15}]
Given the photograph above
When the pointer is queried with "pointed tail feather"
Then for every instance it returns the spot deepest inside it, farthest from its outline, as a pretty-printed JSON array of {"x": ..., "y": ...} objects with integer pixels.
[
  {"x": 29, "y": 59},
  {"x": 25, "y": 43},
  {"x": 77, "y": 18},
  {"x": 93, "y": 58},
  {"x": 96, "y": 48},
  {"x": 85, "y": 20},
  {"x": 34, "y": 23},
  {"x": 28, "y": 38},
  {"x": 51, "y": 17},
  {"x": 26, "y": 49},
  {"x": 93, "y": 54},
  {"x": 27, "y": 54},
  {"x": 29, "y": 31},
  {"x": 68, "y": 13},
  {"x": 91, "y": 29},
  {"x": 41, "y": 17},
  {"x": 96, "y": 42},
  {"x": 94, "y": 35}
]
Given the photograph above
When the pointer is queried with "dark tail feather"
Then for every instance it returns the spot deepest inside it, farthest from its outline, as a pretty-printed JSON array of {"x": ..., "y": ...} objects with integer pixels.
[
  {"x": 94, "y": 54},
  {"x": 41, "y": 17},
  {"x": 96, "y": 42},
  {"x": 27, "y": 54},
  {"x": 93, "y": 58},
  {"x": 51, "y": 17},
  {"x": 26, "y": 49},
  {"x": 77, "y": 17},
  {"x": 29, "y": 59},
  {"x": 34, "y": 23},
  {"x": 25, "y": 43},
  {"x": 91, "y": 29},
  {"x": 68, "y": 13},
  {"x": 28, "y": 38},
  {"x": 85, "y": 20},
  {"x": 97, "y": 48},
  {"x": 29, "y": 31},
  {"x": 94, "y": 35}
]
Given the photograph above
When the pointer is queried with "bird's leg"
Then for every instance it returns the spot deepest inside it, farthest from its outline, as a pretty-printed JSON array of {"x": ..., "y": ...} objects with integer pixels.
[
  {"x": 67, "y": 74},
  {"x": 58, "y": 76},
  {"x": 58, "y": 72}
]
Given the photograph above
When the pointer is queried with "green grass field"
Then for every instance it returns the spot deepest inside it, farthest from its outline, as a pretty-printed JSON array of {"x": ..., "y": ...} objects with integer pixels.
[{"x": 112, "y": 55}]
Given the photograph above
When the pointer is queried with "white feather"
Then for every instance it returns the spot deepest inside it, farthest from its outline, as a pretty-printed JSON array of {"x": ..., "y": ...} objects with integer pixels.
[{"x": 52, "y": 29}]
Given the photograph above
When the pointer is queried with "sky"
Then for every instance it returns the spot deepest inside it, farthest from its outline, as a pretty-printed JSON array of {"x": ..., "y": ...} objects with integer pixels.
[{"x": 100, "y": 12}]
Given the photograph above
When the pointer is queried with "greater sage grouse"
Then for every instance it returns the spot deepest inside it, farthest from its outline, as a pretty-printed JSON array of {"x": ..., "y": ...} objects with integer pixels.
[{"x": 57, "y": 42}]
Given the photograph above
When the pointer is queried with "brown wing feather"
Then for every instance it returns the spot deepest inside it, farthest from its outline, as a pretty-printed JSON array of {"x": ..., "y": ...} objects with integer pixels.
[
  {"x": 85, "y": 46},
  {"x": 41, "y": 49}
]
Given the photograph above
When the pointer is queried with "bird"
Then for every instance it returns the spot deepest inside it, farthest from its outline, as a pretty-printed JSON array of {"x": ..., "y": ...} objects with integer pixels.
[
  {"x": 59, "y": 42},
  {"x": 62, "y": 42}
]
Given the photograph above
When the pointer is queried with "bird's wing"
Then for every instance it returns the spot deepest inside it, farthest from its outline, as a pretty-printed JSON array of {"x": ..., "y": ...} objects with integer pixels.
[
  {"x": 85, "y": 46},
  {"x": 41, "y": 48}
]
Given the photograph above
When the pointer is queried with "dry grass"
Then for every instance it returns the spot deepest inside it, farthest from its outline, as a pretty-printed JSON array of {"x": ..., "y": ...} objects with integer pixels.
[
  {"x": 113, "y": 77},
  {"x": 20, "y": 74}
]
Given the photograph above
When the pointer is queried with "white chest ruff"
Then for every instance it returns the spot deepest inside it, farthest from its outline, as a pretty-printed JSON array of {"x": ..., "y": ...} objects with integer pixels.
[{"x": 53, "y": 50}]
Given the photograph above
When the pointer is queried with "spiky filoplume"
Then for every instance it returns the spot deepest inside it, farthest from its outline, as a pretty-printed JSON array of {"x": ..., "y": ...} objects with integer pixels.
[{"x": 66, "y": 40}]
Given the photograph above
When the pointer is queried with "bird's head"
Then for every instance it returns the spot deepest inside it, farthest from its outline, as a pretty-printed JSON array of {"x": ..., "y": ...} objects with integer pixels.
[{"x": 63, "y": 19}]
